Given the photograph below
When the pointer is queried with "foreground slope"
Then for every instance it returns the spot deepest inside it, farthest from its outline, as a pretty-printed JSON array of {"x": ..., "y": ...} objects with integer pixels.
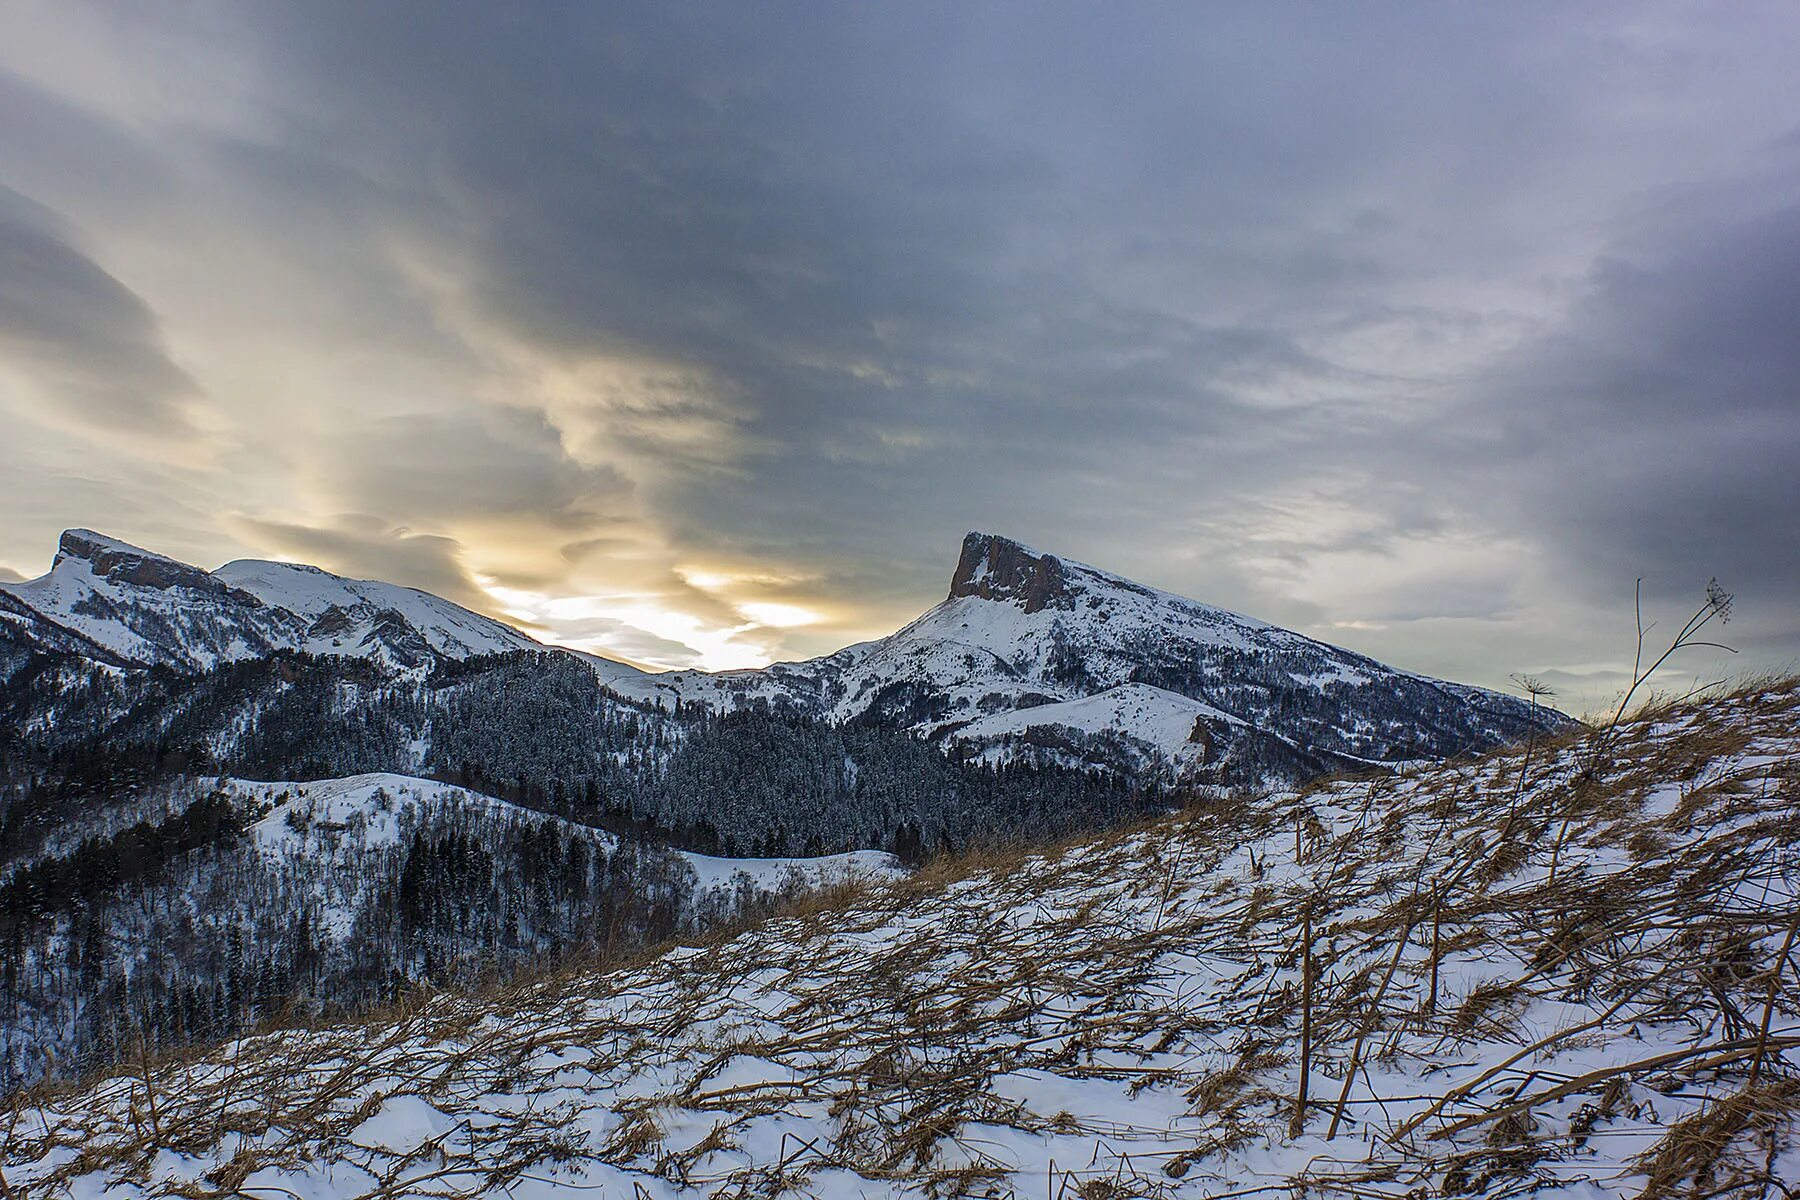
[{"x": 1564, "y": 967}]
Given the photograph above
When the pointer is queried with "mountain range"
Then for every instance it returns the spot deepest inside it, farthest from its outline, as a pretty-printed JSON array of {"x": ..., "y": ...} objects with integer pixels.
[{"x": 1030, "y": 657}]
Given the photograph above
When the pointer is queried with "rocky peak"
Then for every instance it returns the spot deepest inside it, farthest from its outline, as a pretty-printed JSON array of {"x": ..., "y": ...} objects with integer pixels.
[
  {"x": 997, "y": 568},
  {"x": 122, "y": 563}
]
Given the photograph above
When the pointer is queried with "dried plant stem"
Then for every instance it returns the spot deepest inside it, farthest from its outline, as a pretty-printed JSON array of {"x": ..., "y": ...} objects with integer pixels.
[
  {"x": 1298, "y": 1125},
  {"x": 1437, "y": 953},
  {"x": 1762, "y": 1036},
  {"x": 1368, "y": 1025}
]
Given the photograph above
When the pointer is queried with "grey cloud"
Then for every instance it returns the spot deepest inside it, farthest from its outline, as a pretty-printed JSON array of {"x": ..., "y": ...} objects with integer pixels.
[
  {"x": 90, "y": 343},
  {"x": 1657, "y": 432},
  {"x": 50, "y": 142},
  {"x": 478, "y": 463}
]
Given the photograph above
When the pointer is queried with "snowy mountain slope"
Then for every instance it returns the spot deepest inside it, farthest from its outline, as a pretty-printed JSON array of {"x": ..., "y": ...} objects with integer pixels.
[
  {"x": 118, "y": 604},
  {"x": 1558, "y": 969},
  {"x": 1023, "y": 636},
  {"x": 361, "y": 616},
  {"x": 1134, "y": 722}
]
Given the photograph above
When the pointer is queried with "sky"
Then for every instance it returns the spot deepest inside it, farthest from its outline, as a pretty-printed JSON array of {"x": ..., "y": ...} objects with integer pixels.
[{"x": 701, "y": 334}]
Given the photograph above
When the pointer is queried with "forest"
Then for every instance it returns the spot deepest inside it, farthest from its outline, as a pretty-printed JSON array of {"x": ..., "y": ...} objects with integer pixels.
[{"x": 144, "y": 904}]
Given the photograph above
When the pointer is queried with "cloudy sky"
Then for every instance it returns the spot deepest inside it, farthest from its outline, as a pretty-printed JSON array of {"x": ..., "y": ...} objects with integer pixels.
[{"x": 700, "y": 335}]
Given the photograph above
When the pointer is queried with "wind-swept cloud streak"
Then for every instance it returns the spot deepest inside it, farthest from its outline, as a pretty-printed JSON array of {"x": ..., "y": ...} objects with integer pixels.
[{"x": 86, "y": 346}]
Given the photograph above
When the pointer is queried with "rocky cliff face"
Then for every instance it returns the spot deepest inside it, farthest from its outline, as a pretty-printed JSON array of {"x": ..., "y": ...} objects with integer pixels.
[
  {"x": 127, "y": 566},
  {"x": 994, "y": 568}
]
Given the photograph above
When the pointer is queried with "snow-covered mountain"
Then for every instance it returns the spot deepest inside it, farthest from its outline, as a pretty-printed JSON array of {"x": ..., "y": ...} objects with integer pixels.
[
  {"x": 1030, "y": 657},
  {"x": 116, "y": 603},
  {"x": 1034, "y": 655}
]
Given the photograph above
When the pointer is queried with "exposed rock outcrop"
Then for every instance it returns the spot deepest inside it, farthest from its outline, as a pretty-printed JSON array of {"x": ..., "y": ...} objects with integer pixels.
[{"x": 997, "y": 568}]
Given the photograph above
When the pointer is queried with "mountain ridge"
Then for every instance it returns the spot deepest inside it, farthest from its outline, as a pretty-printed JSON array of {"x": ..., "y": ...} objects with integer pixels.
[
  {"x": 128, "y": 607},
  {"x": 1019, "y": 632}
]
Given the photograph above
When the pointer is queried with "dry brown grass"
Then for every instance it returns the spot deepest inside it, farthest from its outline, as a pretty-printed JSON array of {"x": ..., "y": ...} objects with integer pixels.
[{"x": 1726, "y": 1148}]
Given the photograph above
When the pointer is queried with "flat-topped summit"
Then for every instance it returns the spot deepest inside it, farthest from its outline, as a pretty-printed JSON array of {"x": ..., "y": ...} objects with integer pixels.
[
  {"x": 122, "y": 563},
  {"x": 997, "y": 568},
  {"x": 88, "y": 545},
  {"x": 108, "y": 600}
]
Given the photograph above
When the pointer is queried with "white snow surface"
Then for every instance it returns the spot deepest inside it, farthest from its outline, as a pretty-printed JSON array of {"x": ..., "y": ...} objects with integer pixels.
[
  {"x": 1515, "y": 969},
  {"x": 1158, "y": 721}
]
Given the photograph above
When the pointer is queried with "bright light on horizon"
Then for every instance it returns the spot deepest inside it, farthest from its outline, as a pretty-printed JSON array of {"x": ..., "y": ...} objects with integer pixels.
[
  {"x": 777, "y": 615},
  {"x": 559, "y": 621}
]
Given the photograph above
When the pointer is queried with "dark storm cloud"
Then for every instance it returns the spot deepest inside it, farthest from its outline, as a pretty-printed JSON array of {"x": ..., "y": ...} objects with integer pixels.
[
  {"x": 89, "y": 343},
  {"x": 802, "y": 218},
  {"x": 1657, "y": 432}
]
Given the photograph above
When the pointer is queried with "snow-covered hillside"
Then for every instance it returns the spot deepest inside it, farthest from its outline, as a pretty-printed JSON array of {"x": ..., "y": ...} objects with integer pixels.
[
  {"x": 1563, "y": 968},
  {"x": 338, "y": 821},
  {"x": 201, "y": 905},
  {"x": 116, "y": 603}
]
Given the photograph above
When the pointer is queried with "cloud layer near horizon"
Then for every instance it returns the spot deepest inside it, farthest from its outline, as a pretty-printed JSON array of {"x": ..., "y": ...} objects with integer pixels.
[{"x": 700, "y": 335}]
